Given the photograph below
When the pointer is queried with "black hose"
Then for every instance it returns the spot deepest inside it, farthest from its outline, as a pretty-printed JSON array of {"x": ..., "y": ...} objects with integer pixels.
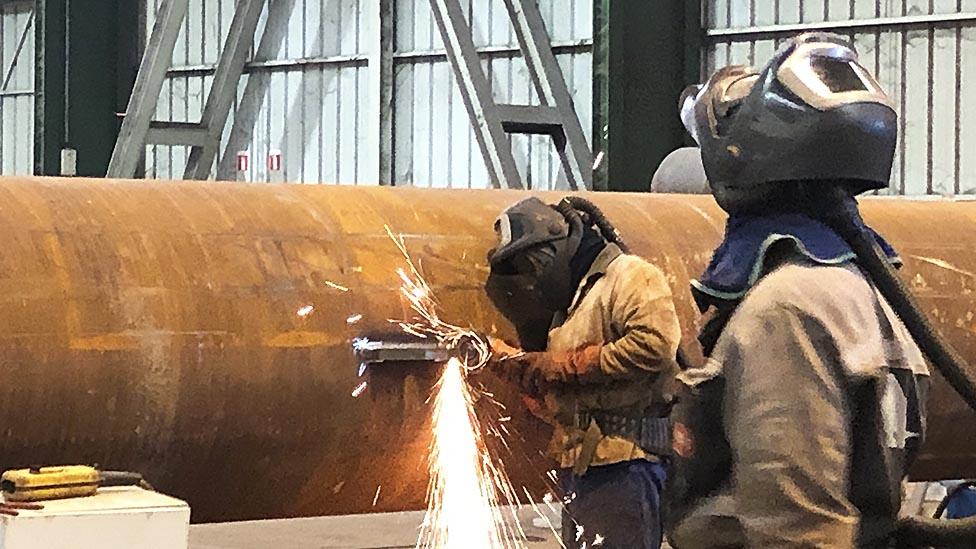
[
  {"x": 594, "y": 216},
  {"x": 119, "y": 478},
  {"x": 928, "y": 532},
  {"x": 842, "y": 216}
]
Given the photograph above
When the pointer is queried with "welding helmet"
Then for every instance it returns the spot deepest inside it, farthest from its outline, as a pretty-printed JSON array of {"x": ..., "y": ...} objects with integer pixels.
[
  {"x": 530, "y": 276},
  {"x": 812, "y": 114}
]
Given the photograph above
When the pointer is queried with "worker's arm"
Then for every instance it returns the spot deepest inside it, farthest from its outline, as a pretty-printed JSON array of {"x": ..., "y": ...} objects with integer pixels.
[
  {"x": 640, "y": 309},
  {"x": 787, "y": 428},
  {"x": 642, "y": 312}
]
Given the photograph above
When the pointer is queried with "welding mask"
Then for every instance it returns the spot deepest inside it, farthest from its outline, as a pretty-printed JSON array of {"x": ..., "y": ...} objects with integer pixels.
[
  {"x": 812, "y": 114},
  {"x": 531, "y": 277}
]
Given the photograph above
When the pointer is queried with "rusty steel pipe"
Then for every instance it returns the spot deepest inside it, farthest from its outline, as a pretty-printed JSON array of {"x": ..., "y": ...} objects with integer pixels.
[{"x": 155, "y": 327}]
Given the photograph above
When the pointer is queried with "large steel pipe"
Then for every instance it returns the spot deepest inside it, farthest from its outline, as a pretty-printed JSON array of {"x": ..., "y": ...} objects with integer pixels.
[{"x": 155, "y": 326}]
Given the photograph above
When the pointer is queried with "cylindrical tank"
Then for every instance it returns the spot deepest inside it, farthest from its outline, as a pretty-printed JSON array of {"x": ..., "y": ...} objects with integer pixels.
[{"x": 156, "y": 327}]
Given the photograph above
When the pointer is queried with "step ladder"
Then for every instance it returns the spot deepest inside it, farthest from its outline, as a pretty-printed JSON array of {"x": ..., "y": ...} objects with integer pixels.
[
  {"x": 555, "y": 117},
  {"x": 203, "y": 138}
]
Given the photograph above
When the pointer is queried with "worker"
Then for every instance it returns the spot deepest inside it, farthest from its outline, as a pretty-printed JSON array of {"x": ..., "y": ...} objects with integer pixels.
[
  {"x": 598, "y": 334},
  {"x": 800, "y": 426}
]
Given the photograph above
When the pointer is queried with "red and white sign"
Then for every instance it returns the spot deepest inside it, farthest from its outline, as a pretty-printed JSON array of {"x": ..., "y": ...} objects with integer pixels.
[
  {"x": 274, "y": 160},
  {"x": 243, "y": 161}
]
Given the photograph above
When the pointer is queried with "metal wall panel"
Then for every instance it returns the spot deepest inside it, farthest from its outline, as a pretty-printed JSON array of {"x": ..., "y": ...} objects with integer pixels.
[
  {"x": 923, "y": 52},
  {"x": 435, "y": 146},
  {"x": 305, "y": 92},
  {"x": 16, "y": 88}
]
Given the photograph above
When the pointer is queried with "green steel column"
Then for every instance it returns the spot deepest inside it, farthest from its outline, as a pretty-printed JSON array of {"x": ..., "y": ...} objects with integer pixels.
[
  {"x": 645, "y": 53},
  {"x": 48, "y": 85},
  {"x": 84, "y": 53}
]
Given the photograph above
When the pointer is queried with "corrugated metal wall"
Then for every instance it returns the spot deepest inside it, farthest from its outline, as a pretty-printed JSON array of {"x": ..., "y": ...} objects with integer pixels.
[
  {"x": 16, "y": 88},
  {"x": 923, "y": 52},
  {"x": 306, "y": 91}
]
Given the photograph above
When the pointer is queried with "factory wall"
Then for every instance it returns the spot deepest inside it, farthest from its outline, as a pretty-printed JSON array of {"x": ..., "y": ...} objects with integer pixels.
[
  {"x": 305, "y": 93},
  {"x": 16, "y": 88},
  {"x": 923, "y": 52}
]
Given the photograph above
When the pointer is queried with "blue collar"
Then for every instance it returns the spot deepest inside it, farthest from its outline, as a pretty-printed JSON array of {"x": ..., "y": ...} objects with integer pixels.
[{"x": 737, "y": 263}]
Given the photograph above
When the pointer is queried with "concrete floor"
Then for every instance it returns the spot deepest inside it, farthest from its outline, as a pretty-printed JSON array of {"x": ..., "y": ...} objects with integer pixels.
[
  {"x": 374, "y": 531},
  {"x": 399, "y": 530}
]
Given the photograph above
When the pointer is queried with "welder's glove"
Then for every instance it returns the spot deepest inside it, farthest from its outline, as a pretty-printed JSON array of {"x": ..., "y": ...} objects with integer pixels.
[
  {"x": 561, "y": 367},
  {"x": 534, "y": 371}
]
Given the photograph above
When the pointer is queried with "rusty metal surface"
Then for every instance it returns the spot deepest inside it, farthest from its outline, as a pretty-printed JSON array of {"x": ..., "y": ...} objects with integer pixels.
[{"x": 154, "y": 326}]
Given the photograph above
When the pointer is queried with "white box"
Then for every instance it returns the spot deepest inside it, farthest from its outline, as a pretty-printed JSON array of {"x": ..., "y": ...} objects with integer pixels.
[{"x": 114, "y": 518}]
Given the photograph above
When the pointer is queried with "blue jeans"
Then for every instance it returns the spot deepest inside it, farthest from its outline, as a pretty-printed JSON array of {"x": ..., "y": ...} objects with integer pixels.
[{"x": 620, "y": 502}]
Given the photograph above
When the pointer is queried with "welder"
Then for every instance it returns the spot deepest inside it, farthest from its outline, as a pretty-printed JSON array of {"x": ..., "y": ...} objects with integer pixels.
[
  {"x": 800, "y": 427},
  {"x": 598, "y": 334}
]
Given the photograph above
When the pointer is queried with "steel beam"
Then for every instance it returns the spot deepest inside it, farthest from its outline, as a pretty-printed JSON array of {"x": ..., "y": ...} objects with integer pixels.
[
  {"x": 379, "y": 136},
  {"x": 131, "y": 142},
  {"x": 20, "y": 48},
  {"x": 853, "y": 25},
  {"x": 476, "y": 94},
  {"x": 223, "y": 91},
  {"x": 49, "y": 77},
  {"x": 80, "y": 72},
  {"x": 644, "y": 55},
  {"x": 550, "y": 85},
  {"x": 181, "y": 133}
]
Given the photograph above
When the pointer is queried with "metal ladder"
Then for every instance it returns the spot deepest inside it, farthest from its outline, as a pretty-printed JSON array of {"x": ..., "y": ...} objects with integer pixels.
[
  {"x": 138, "y": 127},
  {"x": 492, "y": 122},
  {"x": 555, "y": 117}
]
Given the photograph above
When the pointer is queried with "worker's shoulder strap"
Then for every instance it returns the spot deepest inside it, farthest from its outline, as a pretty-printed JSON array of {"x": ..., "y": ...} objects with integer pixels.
[{"x": 701, "y": 458}]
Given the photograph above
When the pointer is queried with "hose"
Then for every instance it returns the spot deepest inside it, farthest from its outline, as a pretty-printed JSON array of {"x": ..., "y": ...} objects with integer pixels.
[
  {"x": 931, "y": 532},
  {"x": 842, "y": 216},
  {"x": 928, "y": 532},
  {"x": 592, "y": 215}
]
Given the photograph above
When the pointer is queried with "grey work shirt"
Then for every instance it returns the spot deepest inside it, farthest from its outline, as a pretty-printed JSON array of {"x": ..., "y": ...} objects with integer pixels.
[{"x": 801, "y": 338}]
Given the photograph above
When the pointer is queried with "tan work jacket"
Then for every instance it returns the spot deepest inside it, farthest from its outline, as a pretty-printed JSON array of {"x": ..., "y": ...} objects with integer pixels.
[{"x": 623, "y": 305}]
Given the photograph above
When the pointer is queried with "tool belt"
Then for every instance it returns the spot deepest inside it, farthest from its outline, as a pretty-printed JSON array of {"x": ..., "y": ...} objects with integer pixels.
[{"x": 651, "y": 433}]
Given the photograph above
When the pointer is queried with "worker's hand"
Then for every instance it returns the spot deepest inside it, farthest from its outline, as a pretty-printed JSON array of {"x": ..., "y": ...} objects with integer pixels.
[
  {"x": 513, "y": 364},
  {"x": 13, "y": 508},
  {"x": 501, "y": 350},
  {"x": 538, "y": 408},
  {"x": 572, "y": 367}
]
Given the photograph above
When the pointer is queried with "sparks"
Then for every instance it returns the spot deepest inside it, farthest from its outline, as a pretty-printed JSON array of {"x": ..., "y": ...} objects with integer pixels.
[
  {"x": 360, "y": 389},
  {"x": 471, "y": 502},
  {"x": 354, "y": 319},
  {"x": 464, "y": 495},
  {"x": 335, "y": 286},
  {"x": 427, "y": 322},
  {"x": 305, "y": 311}
]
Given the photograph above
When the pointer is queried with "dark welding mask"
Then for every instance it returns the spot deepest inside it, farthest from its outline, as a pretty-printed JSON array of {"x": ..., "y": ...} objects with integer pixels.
[
  {"x": 814, "y": 113},
  {"x": 530, "y": 277}
]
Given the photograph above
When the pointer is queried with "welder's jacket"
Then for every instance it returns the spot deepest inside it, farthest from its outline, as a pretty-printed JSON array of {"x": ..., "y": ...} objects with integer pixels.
[
  {"x": 619, "y": 337},
  {"x": 800, "y": 427}
]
